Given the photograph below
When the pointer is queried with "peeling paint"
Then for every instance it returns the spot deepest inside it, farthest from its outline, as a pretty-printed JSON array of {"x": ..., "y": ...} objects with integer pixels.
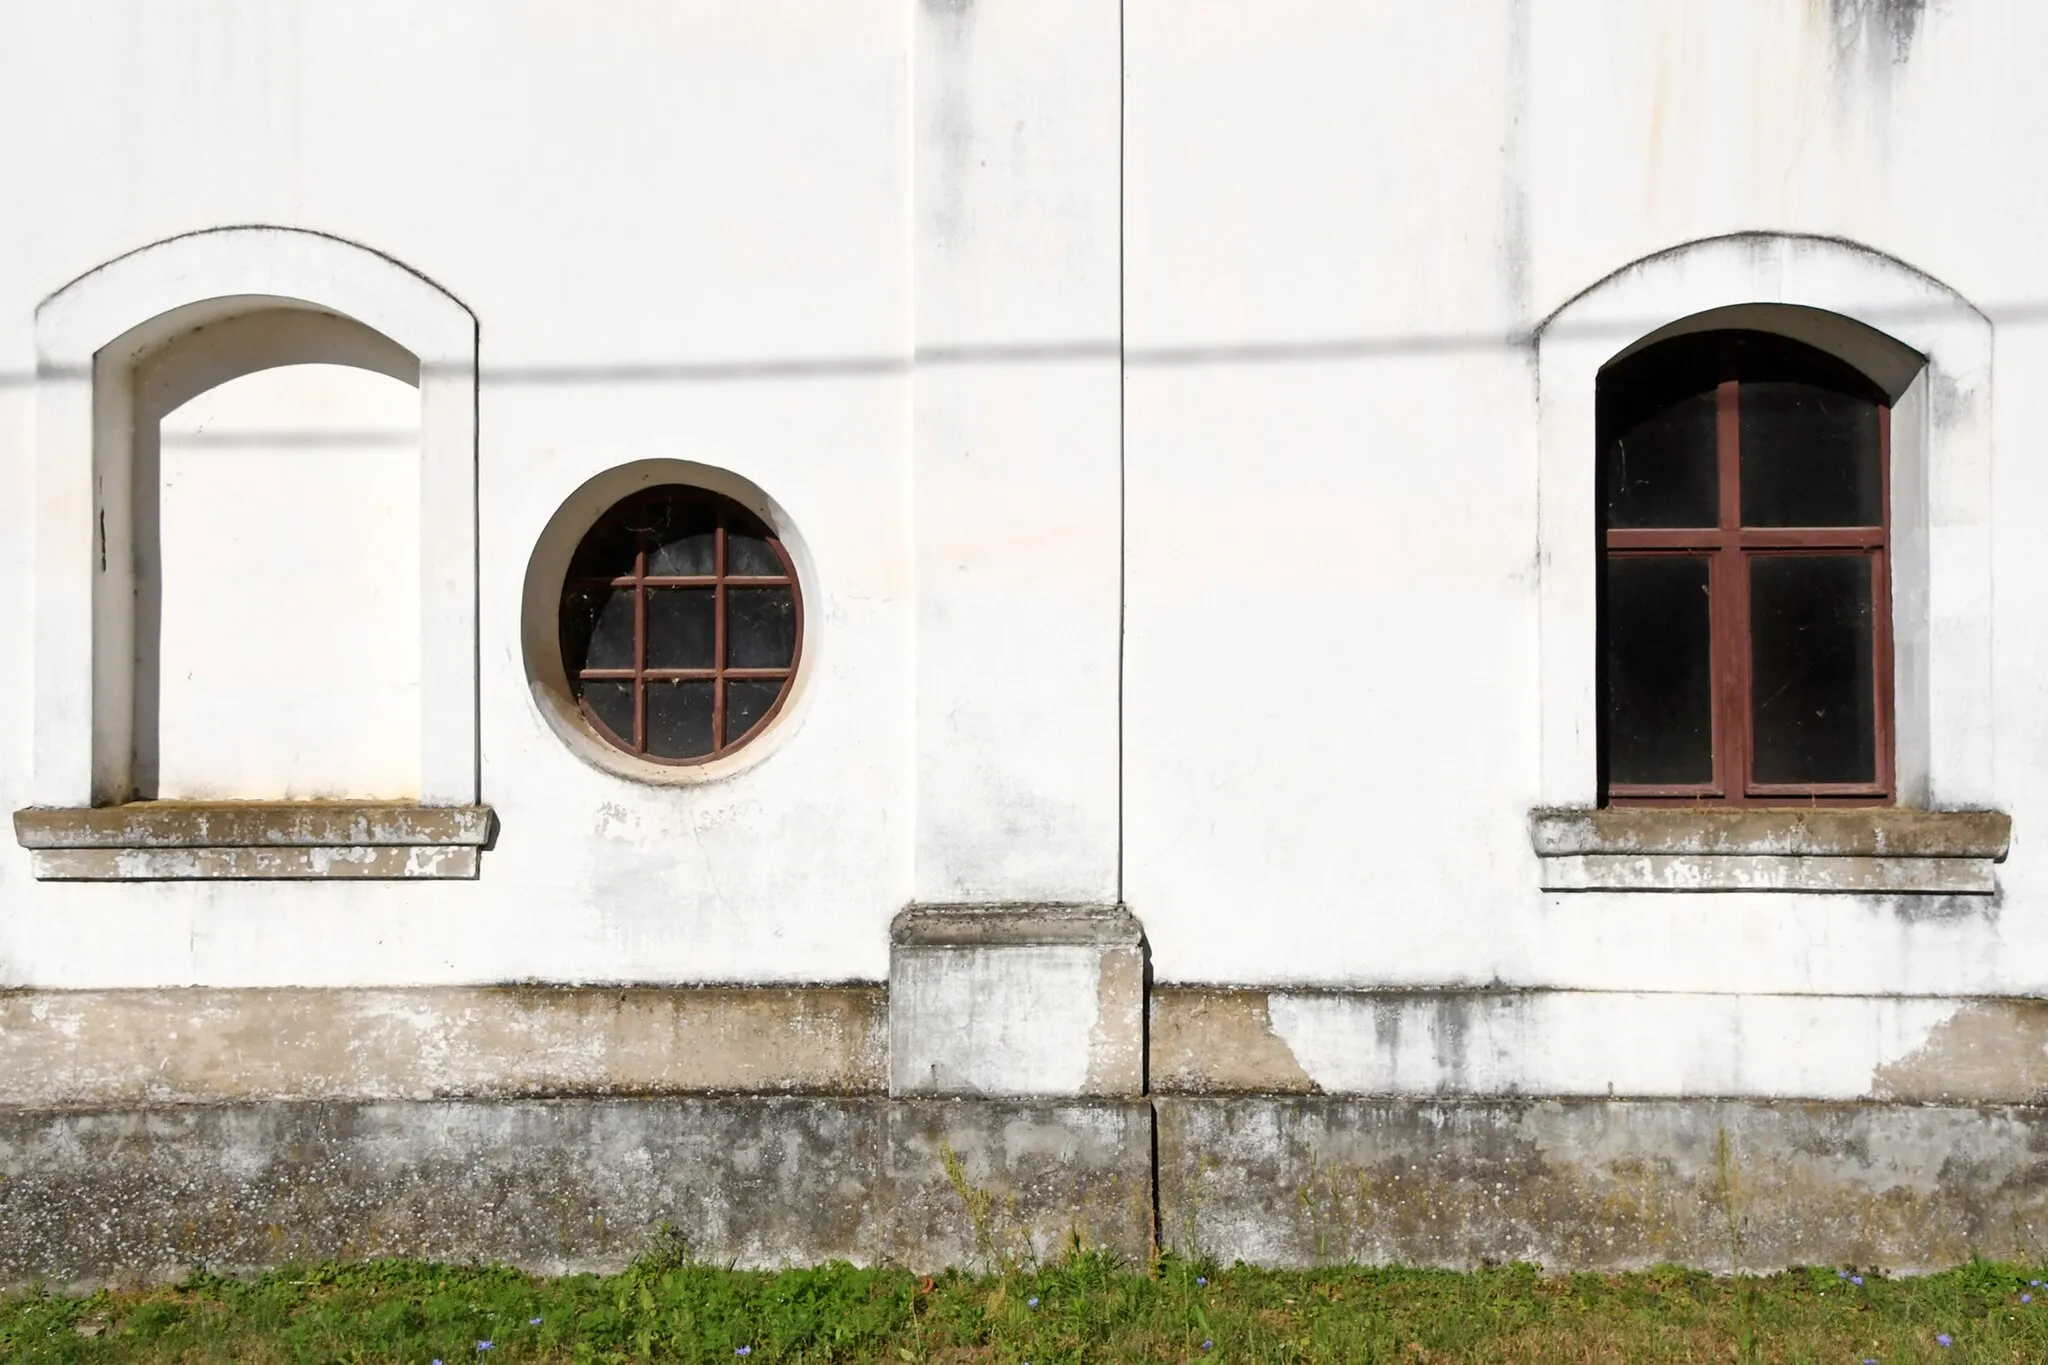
[
  {"x": 1215, "y": 1039},
  {"x": 1116, "y": 1040},
  {"x": 1985, "y": 1048},
  {"x": 85, "y": 1049}
]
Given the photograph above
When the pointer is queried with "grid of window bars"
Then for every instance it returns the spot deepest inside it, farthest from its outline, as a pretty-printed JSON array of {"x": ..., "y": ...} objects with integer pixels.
[
  {"x": 699, "y": 598},
  {"x": 1746, "y": 631}
]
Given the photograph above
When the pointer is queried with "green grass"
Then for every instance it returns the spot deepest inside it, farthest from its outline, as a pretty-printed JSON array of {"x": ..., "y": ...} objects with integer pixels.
[{"x": 1087, "y": 1307}]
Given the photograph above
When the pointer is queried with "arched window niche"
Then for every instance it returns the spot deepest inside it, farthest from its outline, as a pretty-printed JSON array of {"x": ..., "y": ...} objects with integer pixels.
[
  {"x": 189, "y": 396},
  {"x": 1929, "y": 352}
]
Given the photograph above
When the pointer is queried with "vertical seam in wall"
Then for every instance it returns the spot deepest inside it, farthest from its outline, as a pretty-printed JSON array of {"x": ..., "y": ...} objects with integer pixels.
[
  {"x": 1123, "y": 597},
  {"x": 907, "y": 490},
  {"x": 476, "y": 559},
  {"x": 1158, "y": 1227},
  {"x": 1990, "y": 778},
  {"x": 1122, "y": 492}
]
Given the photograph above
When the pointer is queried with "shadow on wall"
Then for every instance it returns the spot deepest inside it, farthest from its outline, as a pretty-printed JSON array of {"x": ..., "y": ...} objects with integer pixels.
[{"x": 276, "y": 524}]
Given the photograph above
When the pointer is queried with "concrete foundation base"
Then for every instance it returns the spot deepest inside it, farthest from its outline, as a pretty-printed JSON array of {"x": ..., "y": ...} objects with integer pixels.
[
  {"x": 566, "y": 1185},
  {"x": 576, "y": 1184},
  {"x": 1601, "y": 1184}
]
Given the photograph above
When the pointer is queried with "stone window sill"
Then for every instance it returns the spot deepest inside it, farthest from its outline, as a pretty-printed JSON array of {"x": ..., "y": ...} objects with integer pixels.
[
  {"x": 1865, "y": 851},
  {"x": 253, "y": 841}
]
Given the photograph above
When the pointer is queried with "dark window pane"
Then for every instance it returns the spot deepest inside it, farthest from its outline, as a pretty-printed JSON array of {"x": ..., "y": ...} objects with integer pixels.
[
  {"x": 760, "y": 627},
  {"x": 680, "y": 627},
  {"x": 679, "y": 719},
  {"x": 1813, "y": 702},
  {"x": 597, "y": 628},
  {"x": 612, "y": 703},
  {"x": 1656, "y": 670},
  {"x": 1809, "y": 457},
  {"x": 750, "y": 556},
  {"x": 682, "y": 538},
  {"x": 1659, "y": 468},
  {"x": 745, "y": 704},
  {"x": 607, "y": 552},
  {"x": 575, "y": 622}
]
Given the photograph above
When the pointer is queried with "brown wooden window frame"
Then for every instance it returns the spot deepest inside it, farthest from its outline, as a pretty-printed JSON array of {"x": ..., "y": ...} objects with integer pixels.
[
  {"x": 1730, "y": 548},
  {"x": 730, "y": 516}
]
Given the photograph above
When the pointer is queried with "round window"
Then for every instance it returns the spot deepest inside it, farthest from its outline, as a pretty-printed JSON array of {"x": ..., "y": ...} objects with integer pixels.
[{"x": 680, "y": 625}]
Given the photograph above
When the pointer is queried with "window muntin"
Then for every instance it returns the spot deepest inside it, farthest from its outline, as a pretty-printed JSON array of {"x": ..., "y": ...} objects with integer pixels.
[
  {"x": 1744, "y": 641},
  {"x": 681, "y": 623}
]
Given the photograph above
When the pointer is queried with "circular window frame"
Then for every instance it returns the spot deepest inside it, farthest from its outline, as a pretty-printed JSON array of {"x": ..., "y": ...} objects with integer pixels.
[{"x": 553, "y": 693}]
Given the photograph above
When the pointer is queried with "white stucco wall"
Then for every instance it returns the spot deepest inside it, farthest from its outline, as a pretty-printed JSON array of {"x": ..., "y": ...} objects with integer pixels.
[
  {"x": 1167, "y": 455},
  {"x": 687, "y": 227},
  {"x": 1380, "y": 210}
]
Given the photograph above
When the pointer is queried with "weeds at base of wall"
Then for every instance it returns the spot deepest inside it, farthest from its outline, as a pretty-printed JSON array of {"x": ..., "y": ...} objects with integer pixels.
[
  {"x": 1335, "y": 1199},
  {"x": 1003, "y": 1243},
  {"x": 1728, "y": 1194},
  {"x": 1191, "y": 1201},
  {"x": 995, "y": 1251},
  {"x": 1085, "y": 1306}
]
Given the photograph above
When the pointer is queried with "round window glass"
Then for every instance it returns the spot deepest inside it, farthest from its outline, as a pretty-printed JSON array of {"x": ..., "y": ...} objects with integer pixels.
[{"x": 680, "y": 625}]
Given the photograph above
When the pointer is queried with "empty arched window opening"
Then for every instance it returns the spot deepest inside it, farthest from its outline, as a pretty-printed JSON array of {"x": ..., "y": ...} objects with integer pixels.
[
  {"x": 276, "y": 544},
  {"x": 680, "y": 625},
  {"x": 255, "y": 578},
  {"x": 1745, "y": 604}
]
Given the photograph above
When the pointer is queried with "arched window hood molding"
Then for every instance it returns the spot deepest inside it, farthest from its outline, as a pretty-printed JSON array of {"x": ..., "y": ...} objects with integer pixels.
[
  {"x": 1931, "y": 350},
  {"x": 89, "y": 336}
]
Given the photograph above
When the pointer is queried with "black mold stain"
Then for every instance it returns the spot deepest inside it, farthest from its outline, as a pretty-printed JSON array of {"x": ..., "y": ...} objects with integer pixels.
[{"x": 1939, "y": 909}]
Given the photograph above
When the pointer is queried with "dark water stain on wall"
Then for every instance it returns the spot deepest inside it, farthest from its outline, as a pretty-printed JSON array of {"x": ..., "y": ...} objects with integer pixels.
[
  {"x": 1881, "y": 31},
  {"x": 952, "y": 131}
]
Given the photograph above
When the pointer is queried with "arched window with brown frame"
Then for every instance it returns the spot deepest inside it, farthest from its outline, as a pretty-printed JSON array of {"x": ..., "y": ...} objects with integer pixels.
[{"x": 1745, "y": 599}]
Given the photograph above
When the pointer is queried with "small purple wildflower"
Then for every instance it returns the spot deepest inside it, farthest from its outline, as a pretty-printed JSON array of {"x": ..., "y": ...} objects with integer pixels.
[
  {"x": 1031, "y": 1302},
  {"x": 744, "y": 1351},
  {"x": 2026, "y": 1298},
  {"x": 1943, "y": 1340},
  {"x": 533, "y": 1322},
  {"x": 1841, "y": 1274},
  {"x": 483, "y": 1345},
  {"x": 1201, "y": 1279},
  {"x": 1855, "y": 1279},
  {"x": 1207, "y": 1345}
]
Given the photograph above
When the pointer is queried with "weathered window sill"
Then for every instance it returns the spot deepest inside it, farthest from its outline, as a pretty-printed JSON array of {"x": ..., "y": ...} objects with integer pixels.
[
  {"x": 253, "y": 841},
  {"x": 1865, "y": 851}
]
